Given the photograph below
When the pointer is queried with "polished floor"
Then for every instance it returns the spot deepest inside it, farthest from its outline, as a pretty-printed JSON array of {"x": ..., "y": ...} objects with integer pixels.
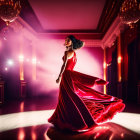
[{"x": 27, "y": 120}]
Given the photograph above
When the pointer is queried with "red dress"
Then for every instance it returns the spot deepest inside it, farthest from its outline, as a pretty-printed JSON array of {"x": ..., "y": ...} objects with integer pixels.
[{"x": 79, "y": 106}]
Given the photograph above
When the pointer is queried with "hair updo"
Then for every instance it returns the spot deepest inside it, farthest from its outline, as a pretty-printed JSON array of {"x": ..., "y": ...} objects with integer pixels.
[{"x": 76, "y": 44}]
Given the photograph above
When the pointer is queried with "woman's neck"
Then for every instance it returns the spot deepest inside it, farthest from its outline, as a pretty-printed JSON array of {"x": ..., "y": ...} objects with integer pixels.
[{"x": 69, "y": 48}]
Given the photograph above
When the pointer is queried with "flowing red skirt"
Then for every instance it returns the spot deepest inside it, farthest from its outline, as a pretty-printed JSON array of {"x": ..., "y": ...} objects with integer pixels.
[{"x": 81, "y": 107}]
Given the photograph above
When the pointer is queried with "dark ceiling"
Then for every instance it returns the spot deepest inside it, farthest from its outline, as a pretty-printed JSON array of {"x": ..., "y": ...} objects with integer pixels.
[
  {"x": 70, "y": 16},
  {"x": 75, "y": 16}
]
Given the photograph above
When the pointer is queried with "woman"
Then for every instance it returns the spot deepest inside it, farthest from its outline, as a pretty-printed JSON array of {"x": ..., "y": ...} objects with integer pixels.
[{"x": 79, "y": 106}]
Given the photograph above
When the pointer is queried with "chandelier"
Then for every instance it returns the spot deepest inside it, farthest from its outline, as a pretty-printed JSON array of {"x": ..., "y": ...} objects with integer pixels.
[
  {"x": 130, "y": 12},
  {"x": 9, "y": 10}
]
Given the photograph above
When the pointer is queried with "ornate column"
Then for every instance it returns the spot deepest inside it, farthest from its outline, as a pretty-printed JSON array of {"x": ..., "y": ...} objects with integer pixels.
[
  {"x": 119, "y": 57},
  {"x": 21, "y": 60},
  {"x": 21, "y": 68},
  {"x": 105, "y": 68},
  {"x": 34, "y": 61},
  {"x": 119, "y": 65},
  {"x": 1, "y": 81}
]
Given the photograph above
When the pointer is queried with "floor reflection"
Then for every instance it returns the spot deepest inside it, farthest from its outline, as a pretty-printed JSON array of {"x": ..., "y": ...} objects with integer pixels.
[
  {"x": 27, "y": 120},
  {"x": 106, "y": 131},
  {"x": 21, "y": 134}
]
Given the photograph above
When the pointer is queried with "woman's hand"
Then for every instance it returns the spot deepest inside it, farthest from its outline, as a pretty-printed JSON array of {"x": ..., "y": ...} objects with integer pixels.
[
  {"x": 58, "y": 79},
  {"x": 101, "y": 82}
]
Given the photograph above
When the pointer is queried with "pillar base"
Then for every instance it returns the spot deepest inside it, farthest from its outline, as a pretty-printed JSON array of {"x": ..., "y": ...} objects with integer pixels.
[
  {"x": 1, "y": 92},
  {"x": 22, "y": 89}
]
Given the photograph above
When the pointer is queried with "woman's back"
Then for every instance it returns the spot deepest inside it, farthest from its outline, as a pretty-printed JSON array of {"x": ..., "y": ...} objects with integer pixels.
[{"x": 71, "y": 62}]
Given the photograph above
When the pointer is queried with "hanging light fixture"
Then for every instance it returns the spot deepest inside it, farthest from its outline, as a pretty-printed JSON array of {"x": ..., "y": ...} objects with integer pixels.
[
  {"x": 9, "y": 10},
  {"x": 130, "y": 12}
]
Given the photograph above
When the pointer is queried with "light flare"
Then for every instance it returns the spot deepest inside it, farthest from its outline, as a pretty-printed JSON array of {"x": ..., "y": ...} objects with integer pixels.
[
  {"x": 10, "y": 62},
  {"x": 21, "y": 58}
]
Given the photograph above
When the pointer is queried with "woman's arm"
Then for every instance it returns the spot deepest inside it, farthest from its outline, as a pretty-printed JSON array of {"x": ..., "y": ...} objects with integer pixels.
[{"x": 63, "y": 67}]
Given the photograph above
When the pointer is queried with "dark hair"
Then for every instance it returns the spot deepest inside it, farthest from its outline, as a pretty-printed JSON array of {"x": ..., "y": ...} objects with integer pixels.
[{"x": 76, "y": 43}]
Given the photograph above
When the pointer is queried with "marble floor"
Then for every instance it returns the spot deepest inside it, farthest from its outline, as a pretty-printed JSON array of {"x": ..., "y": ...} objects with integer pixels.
[{"x": 27, "y": 120}]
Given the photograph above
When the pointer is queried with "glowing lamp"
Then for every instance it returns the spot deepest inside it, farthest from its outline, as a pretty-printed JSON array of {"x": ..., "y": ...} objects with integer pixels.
[
  {"x": 6, "y": 69},
  {"x": 10, "y": 62},
  {"x": 21, "y": 58},
  {"x": 34, "y": 60},
  {"x": 104, "y": 65},
  {"x": 119, "y": 59}
]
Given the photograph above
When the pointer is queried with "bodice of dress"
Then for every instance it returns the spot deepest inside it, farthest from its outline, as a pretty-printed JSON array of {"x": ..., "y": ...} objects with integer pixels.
[{"x": 71, "y": 62}]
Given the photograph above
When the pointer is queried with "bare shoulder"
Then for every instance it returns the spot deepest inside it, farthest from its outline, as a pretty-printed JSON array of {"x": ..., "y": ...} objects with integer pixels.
[{"x": 69, "y": 54}]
